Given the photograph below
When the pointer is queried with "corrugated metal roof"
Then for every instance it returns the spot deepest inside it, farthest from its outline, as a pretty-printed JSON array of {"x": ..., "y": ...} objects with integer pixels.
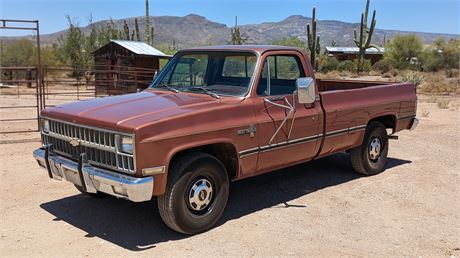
[
  {"x": 354, "y": 50},
  {"x": 140, "y": 48}
]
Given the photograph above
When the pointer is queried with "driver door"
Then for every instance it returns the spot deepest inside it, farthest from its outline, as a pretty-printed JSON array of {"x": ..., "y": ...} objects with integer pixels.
[{"x": 289, "y": 132}]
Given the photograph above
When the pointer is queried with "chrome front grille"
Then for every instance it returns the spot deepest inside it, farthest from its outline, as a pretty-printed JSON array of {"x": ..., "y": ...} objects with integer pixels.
[{"x": 99, "y": 145}]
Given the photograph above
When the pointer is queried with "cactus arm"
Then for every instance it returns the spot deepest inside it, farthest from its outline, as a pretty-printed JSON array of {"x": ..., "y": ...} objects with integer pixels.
[
  {"x": 366, "y": 13},
  {"x": 371, "y": 30},
  {"x": 318, "y": 46},
  {"x": 313, "y": 36},
  {"x": 361, "y": 32},
  {"x": 309, "y": 36},
  {"x": 355, "y": 37}
]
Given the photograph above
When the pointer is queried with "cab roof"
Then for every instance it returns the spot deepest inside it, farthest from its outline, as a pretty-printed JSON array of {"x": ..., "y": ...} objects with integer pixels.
[{"x": 260, "y": 49}]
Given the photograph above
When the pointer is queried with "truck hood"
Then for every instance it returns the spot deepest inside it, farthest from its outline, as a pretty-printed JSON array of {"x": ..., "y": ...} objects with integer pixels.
[{"x": 132, "y": 111}]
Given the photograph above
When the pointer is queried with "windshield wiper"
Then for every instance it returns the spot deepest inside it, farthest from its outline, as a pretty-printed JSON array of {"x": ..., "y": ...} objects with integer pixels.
[
  {"x": 168, "y": 88},
  {"x": 206, "y": 91}
]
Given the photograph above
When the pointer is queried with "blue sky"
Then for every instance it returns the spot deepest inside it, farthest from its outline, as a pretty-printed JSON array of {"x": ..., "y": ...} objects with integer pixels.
[{"x": 441, "y": 16}]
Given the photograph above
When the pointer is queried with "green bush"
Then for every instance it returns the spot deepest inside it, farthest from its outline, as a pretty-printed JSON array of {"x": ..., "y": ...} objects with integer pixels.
[
  {"x": 383, "y": 66},
  {"x": 401, "y": 49},
  {"x": 432, "y": 60},
  {"x": 327, "y": 64},
  {"x": 346, "y": 65},
  {"x": 441, "y": 55},
  {"x": 367, "y": 65}
]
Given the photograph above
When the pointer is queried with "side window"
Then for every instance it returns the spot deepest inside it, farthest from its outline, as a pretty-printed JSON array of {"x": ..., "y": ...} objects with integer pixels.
[{"x": 284, "y": 71}]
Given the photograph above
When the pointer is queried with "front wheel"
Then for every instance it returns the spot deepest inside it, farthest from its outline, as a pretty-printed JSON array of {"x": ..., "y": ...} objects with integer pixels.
[
  {"x": 370, "y": 158},
  {"x": 196, "y": 193}
]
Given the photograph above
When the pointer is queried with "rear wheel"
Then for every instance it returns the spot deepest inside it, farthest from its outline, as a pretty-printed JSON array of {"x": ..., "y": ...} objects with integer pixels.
[
  {"x": 370, "y": 158},
  {"x": 196, "y": 194}
]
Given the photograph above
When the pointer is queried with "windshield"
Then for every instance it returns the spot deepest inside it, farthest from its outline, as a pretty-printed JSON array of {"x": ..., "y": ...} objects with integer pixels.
[{"x": 222, "y": 73}]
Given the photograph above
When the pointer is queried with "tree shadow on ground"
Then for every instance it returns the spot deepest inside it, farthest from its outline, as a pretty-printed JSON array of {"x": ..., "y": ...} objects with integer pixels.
[{"x": 138, "y": 226}]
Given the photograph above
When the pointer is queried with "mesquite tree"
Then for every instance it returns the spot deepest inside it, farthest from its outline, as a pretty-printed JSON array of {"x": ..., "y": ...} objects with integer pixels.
[
  {"x": 363, "y": 39},
  {"x": 313, "y": 41}
]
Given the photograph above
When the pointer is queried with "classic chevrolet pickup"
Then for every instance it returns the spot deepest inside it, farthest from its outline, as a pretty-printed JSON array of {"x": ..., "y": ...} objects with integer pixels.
[{"x": 214, "y": 115}]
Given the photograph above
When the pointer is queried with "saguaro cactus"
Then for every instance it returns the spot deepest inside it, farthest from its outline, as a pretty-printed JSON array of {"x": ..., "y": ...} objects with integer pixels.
[
  {"x": 313, "y": 41},
  {"x": 125, "y": 30},
  {"x": 136, "y": 29},
  {"x": 363, "y": 40},
  {"x": 147, "y": 24}
]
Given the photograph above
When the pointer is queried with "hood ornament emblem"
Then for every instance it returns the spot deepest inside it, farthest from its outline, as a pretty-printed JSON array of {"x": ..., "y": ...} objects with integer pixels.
[{"x": 75, "y": 142}]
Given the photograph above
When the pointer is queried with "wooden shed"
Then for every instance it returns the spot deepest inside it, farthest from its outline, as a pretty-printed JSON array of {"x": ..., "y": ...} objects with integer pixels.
[
  {"x": 351, "y": 53},
  {"x": 125, "y": 66}
]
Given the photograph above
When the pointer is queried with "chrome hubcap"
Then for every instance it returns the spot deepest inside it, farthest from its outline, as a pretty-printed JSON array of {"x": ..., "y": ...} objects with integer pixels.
[
  {"x": 200, "y": 195},
  {"x": 375, "y": 148}
]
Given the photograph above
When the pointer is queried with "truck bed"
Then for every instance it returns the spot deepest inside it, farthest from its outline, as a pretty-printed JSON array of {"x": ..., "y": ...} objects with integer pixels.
[{"x": 352, "y": 104}]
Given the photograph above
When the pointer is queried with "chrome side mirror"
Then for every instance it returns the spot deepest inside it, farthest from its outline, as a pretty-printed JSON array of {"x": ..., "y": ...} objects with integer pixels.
[{"x": 306, "y": 90}]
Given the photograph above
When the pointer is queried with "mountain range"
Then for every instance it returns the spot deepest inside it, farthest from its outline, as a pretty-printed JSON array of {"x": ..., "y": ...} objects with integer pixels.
[{"x": 194, "y": 30}]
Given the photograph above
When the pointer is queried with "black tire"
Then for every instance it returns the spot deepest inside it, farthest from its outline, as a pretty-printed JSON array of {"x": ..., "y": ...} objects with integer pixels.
[
  {"x": 185, "y": 173},
  {"x": 364, "y": 158},
  {"x": 95, "y": 195}
]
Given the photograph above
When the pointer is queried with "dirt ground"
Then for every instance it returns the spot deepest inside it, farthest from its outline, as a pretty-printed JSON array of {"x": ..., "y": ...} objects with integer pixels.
[{"x": 319, "y": 208}]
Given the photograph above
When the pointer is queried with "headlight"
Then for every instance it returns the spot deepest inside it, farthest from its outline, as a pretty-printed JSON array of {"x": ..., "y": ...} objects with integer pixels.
[
  {"x": 45, "y": 126},
  {"x": 126, "y": 144}
]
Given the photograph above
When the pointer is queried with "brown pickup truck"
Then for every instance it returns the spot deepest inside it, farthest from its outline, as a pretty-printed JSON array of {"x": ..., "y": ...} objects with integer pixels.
[{"x": 215, "y": 115}]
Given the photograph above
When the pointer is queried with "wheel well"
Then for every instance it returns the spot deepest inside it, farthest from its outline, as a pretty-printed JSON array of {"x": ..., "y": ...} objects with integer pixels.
[
  {"x": 389, "y": 121},
  {"x": 225, "y": 152}
]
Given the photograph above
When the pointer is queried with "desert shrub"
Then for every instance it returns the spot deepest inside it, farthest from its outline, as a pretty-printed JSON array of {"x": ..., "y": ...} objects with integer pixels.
[
  {"x": 441, "y": 55},
  {"x": 443, "y": 104},
  {"x": 412, "y": 77},
  {"x": 402, "y": 49},
  {"x": 425, "y": 113},
  {"x": 327, "y": 64},
  {"x": 383, "y": 66},
  {"x": 438, "y": 83},
  {"x": 375, "y": 73},
  {"x": 387, "y": 75},
  {"x": 332, "y": 75},
  {"x": 432, "y": 100},
  {"x": 290, "y": 41},
  {"x": 394, "y": 72},
  {"x": 346, "y": 65},
  {"x": 367, "y": 65},
  {"x": 345, "y": 74},
  {"x": 452, "y": 73},
  {"x": 431, "y": 60}
]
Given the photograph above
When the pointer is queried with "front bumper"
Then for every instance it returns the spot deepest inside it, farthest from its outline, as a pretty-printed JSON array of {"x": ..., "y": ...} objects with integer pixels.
[{"x": 93, "y": 179}]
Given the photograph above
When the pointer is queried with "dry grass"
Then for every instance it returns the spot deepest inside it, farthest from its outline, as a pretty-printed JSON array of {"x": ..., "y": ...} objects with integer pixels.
[
  {"x": 412, "y": 77},
  {"x": 438, "y": 83},
  {"x": 432, "y": 99},
  {"x": 443, "y": 104},
  {"x": 425, "y": 113}
]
